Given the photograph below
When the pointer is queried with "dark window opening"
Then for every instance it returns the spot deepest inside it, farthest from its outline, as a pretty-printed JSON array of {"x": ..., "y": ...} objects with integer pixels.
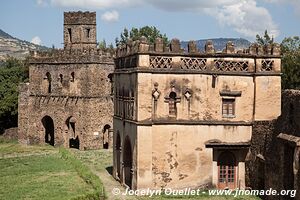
[
  {"x": 88, "y": 30},
  {"x": 172, "y": 104},
  {"x": 48, "y": 77},
  {"x": 72, "y": 77},
  {"x": 106, "y": 136},
  {"x": 70, "y": 34},
  {"x": 61, "y": 78},
  {"x": 228, "y": 107}
]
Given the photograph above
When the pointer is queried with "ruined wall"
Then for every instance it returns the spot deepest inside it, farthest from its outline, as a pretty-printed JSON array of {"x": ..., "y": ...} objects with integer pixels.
[
  {"x": 270, "y": 163},
  {"x": 68, "y": 100},
  {"x": 68, "y": 85}
]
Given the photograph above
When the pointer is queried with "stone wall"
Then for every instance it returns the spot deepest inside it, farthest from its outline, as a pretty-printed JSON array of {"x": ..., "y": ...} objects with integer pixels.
[
  {"x": 68, "y": 99},
  {"x": 272, "y": 161}
]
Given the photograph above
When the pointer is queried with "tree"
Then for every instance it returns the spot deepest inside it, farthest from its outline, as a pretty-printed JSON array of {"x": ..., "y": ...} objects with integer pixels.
[
  {"x": 150, "y": 32},
  {"x": 102, "y": 45},
  {"x": 264, "y": 40},
  {"x": 290, "y": 48},
  {"x": 12, "y": 72}
]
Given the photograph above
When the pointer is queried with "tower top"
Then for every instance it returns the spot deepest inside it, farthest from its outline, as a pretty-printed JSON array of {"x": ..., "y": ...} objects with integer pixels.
[
  {"x": 80, "y": 18},
  {"x": 80, "y": 30}
]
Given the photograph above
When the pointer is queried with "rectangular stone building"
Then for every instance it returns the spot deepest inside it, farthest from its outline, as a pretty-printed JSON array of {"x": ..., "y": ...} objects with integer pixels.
[
  {"x": 184, "y": 118},
  {"x": 67, "y": 100}
]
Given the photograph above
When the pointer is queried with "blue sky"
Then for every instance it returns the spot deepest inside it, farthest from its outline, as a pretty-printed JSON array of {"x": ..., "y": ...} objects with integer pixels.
[{"x": 41, "y": 21}]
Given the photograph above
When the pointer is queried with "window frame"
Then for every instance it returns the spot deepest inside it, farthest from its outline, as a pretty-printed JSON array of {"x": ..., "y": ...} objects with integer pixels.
[{"x": 227, "y": 102}]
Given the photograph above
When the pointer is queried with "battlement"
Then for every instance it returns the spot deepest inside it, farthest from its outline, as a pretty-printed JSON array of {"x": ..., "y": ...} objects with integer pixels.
[
  {"x": 158, "y": 56},
  {"x": 57, "y": 56},
  {"x": 78, "y": 18},
  {"x": 142, "y": 46}
]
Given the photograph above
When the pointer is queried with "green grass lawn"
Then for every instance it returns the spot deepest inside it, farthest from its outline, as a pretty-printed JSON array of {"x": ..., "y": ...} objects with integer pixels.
[
  {"x": 44, "y": 172},
  {"x": 37, "y": 172}
]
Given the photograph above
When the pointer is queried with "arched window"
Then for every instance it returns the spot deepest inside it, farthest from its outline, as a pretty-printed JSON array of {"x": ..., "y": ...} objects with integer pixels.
[
  {"x": 227, "y": 170},
  {"x": 48, "y": 77},
  {"x": 106, "y": 136},
  {"x": 61, "y": 78},
  {"x": 72, "y": 77},
  {"x": 172, "y": 104}
]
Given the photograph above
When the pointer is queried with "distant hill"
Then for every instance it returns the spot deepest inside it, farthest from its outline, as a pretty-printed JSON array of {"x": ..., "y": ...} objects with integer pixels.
[
  {"x": 14, "y": 47},
  {"x": 220, "y": 43}
]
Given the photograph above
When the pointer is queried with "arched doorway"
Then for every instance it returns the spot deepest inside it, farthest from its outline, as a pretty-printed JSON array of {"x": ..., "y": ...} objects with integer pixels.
[
  {"x": 127, "y": 160},
  {"x": 73, "y": 136},
  {"x": 49, "y": 129},
  {"x": 118, "y": 155},
  {"x": 106, "y": 136},
  {"x": 227, "y": 171}
]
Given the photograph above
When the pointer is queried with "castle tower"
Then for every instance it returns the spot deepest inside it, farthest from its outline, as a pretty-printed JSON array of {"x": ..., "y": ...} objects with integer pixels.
[
  {"x": 67, "y": 101},
  {"x": 80, "y": 30}
]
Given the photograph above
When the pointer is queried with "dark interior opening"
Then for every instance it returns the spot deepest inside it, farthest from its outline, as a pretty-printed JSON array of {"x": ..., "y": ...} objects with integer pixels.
[
  {"x": 127, "y": 159},
  {"x": 49, "y": 130},
  {"x": 70, "y": 34}
]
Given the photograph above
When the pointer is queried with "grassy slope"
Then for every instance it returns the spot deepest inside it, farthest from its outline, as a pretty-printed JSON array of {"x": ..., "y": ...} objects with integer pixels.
[{"x": 37, "y": 172}]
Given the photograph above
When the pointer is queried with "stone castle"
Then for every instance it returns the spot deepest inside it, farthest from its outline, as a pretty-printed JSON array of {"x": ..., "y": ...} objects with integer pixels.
[
  {"x": 174, "y": 118},
  {"x": 185, "y": 119},
  {"x": 68, "y": 98}
]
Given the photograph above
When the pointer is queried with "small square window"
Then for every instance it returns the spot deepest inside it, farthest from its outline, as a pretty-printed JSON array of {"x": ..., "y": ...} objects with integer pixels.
[{"x": 228, "y": 107}]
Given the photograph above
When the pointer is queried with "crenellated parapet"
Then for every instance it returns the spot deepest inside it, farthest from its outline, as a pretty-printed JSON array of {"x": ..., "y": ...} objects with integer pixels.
[
  {"x": 158, "y": 56},
  {"x": 75, "y": 18},
  {"x": 85, "y": 55}
]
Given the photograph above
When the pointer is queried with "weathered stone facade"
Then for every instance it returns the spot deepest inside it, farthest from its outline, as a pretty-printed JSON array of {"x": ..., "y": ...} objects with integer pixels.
[
  {"x": 68, "y": 98},
  {"x": 273, "y": 161},
  {"x": 185, "y": 119}
]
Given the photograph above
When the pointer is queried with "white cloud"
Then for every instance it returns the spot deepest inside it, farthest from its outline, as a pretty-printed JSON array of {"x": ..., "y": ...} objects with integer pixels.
[
  {"x": 110, "y": 16},
  {"x": 243, "y": 16},
  {"x": 41, "y": 2},
  {"x": 36, "y": 40},
  {"x": 246, "y": 18},
  {"x": 95, "y": 4}
]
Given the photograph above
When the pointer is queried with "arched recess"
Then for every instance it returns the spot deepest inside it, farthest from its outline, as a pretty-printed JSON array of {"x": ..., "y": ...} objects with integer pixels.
[
  {"x": 73, "y": 136},
  {"x": 227, "y": 170},
  {"x": 49, "y": 129},
  {"x": 172, "y": 104},
  {"x": 118, "y": 154},
  {"x": 106, "y": 136},
  {"x": 48, "y": 79},
  {"x": 127, "y": 160}
]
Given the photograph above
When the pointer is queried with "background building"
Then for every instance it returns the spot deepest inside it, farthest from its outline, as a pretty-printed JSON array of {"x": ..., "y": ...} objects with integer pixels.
[{"x": 67, "y": 100}]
